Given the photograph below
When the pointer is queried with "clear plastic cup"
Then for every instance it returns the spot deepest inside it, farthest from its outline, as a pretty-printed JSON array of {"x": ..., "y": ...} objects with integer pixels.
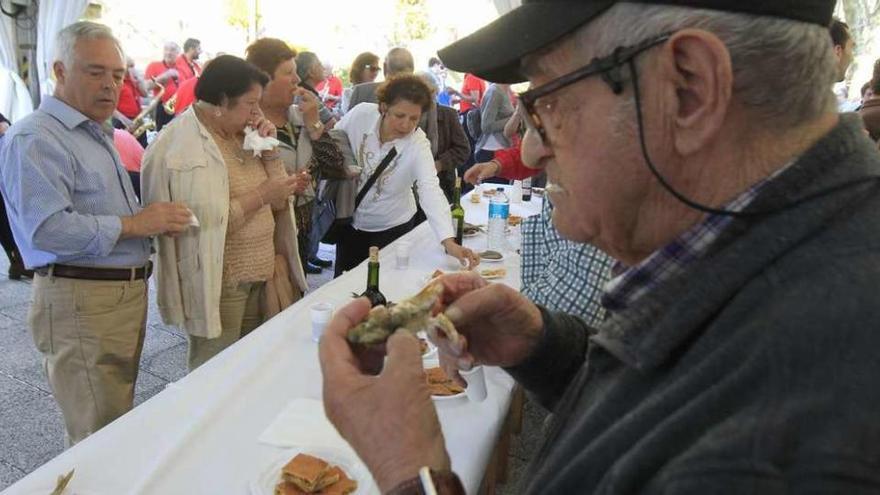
[
  {"x": 401, "y": 254},
  {"x": 321, "y": 313}
]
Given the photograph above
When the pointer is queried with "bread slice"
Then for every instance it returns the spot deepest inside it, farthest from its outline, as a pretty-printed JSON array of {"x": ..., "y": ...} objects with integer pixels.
[
  {"x": 343, "y": 486},
  {"x": 305, "y": 471}
]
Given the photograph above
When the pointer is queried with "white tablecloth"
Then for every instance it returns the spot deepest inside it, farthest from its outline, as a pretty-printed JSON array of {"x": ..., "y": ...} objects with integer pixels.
[{"x": 201, "y": 434}]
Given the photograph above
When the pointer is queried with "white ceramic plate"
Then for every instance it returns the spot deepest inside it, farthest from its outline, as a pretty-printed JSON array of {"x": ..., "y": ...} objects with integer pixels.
[
  {"x": 486, "y": 274},
  {"x": 265, "y": 483}
]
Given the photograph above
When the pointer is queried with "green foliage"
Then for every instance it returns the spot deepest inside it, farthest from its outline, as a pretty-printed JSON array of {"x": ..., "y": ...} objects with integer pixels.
[{"x": 411, "y": 22}]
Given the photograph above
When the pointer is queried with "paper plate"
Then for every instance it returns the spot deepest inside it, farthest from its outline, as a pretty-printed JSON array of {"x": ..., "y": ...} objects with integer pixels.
[{"x": 265, "y": 483}]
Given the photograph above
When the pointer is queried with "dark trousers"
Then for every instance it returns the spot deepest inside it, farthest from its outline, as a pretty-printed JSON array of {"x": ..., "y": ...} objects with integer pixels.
[
  {"x": 135, "y": 182},
  {"x": 354, "y": 245},
  {"x": 162, "y": 117},
  {"x": 6, "y": 238}
]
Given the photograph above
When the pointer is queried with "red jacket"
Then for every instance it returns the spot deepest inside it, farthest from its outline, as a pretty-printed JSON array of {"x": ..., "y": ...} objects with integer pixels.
[{"x": 511, "y": 164}]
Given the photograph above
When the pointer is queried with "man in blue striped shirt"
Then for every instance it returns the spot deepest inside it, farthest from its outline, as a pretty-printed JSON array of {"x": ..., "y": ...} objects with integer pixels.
[{"x": 74, "y": 214}]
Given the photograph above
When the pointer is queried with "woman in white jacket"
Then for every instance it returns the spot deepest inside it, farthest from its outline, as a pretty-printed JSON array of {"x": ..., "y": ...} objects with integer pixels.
[
  {"x": 387, "y": 210},
  {"x": 225, "y": 276}
]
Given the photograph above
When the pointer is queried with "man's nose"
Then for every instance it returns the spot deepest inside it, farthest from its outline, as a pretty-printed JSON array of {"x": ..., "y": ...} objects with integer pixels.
[{"x": 533, "y": 149}]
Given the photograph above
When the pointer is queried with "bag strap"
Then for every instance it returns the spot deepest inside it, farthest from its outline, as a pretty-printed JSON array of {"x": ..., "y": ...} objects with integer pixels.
[{"x": 372, "y": 180}]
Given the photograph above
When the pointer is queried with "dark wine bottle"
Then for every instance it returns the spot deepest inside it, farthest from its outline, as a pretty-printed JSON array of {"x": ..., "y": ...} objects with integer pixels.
[
  {"x": 373, "y": 293},
  {"x": 458, "y": 213},
  {"x": 527, "y": 189}
]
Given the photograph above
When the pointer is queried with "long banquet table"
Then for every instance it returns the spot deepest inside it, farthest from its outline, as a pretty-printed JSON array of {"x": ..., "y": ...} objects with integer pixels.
[{"x": 207, "y": 433}]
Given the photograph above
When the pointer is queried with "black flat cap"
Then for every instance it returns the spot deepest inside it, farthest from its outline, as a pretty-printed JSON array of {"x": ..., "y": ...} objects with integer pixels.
[{"x": 494, "y": 52}]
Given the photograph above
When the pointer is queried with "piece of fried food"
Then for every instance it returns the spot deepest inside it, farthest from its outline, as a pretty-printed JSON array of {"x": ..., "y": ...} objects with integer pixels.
[
  {"x": 343, "y": 486},
  {"x": 412, "y": 314},
  {"x": 305, "y": 471},
  {"x": 440, "y": 384},
  {"x": 288, "y": 488},
  {"x": 514, "y": 220}
]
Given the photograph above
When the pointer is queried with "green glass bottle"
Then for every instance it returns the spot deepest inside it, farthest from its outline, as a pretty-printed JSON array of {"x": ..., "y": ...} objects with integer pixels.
[
  {"x": 458, "y": 213},
  {"x": 373, "y": 293}
]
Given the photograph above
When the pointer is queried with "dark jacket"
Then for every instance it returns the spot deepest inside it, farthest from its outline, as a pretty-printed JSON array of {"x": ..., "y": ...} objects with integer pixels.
[
  {"x": 757, "y": 371},
  {"x": 870, "y": 113},
  {"x": 453, "y": 148}
]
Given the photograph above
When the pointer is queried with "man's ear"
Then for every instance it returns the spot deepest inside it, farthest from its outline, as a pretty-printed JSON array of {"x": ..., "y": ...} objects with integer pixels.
[
  {"x": 383, "y": 108},
  {"x": 59, "y": 70},
  {"x": 702, "y": 74}
]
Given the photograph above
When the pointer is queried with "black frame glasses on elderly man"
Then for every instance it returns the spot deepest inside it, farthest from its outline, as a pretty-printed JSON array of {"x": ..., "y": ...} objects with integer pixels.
[{"x": 608, "y": 67}]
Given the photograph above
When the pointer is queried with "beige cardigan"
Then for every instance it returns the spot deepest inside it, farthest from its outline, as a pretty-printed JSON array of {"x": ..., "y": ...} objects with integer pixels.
[{"x": 185, "y": 165}]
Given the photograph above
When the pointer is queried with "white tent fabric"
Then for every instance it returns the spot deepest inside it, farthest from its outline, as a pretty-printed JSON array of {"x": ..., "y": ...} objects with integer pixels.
[
  {"x": 505, "y": 6},
  {"x": 15, "y": 100},
  {"x": 52, "y": 17}
]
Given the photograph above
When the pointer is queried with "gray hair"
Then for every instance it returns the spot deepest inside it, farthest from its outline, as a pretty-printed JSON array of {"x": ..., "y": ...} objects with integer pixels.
[
  {"x": 783, "y": 70},
  {"x": 66, "y": 40},
  {"x": 304, "y": 63}
]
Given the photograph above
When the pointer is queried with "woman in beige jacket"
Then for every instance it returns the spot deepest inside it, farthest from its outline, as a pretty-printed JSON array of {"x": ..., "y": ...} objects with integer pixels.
[{"x": 225, "y": 276}]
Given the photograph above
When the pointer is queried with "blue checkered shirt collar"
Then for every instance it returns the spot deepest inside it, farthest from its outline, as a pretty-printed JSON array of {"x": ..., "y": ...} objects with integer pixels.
[{"x": 631, "y": 283}]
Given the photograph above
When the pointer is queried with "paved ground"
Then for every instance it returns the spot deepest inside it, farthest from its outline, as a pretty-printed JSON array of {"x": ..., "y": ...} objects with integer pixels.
[{"x": 31, "y": 426}]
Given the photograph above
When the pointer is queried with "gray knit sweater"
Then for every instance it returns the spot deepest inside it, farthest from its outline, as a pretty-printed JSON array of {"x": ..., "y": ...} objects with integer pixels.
[{"x": 755, "y": 371}]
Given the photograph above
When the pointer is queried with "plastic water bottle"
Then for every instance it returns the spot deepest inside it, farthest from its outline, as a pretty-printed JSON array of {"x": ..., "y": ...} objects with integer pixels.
[{"x": 499, "y": 210}]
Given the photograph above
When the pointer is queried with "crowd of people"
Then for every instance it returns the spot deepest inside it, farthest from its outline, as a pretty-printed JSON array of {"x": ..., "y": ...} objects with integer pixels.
[{"x": 696, "y": 302}]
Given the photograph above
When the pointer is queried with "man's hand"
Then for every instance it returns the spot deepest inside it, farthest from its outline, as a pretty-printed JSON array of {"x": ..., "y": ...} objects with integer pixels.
[
  {"x": 156, "y": 219},
  {"x": 480, "y": 171},
  {"x": 499, "y": 326},
  {"x": 389, "y": 420}
]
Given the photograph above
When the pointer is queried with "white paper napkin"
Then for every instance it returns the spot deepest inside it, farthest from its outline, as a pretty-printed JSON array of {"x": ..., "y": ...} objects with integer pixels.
[
  {"x": 301, "y": 423},
  {"x": 253, "y": 141}
]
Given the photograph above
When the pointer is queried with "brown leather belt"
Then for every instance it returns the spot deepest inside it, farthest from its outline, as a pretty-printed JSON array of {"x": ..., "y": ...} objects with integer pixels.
[{"x": 94, "y": 273}]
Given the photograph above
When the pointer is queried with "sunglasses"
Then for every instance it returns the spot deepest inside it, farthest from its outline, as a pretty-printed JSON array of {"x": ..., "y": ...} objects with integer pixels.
[{"x": 535, "y": 114}]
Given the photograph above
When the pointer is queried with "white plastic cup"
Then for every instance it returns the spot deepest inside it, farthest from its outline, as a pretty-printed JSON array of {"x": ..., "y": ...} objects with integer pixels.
[
  {"x": 516, "y": 192},
  {"x": 401, "y": 254},
  {"x": 321, "y": 313},
  {"x": 476, "y": 383}
]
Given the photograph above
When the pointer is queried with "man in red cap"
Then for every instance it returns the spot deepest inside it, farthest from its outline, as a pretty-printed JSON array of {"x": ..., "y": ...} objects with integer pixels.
[{"x": 697, "y": 142}]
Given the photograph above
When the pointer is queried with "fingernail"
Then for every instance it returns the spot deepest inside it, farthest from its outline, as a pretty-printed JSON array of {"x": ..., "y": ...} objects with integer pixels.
[{"x": 465, "y": 363}]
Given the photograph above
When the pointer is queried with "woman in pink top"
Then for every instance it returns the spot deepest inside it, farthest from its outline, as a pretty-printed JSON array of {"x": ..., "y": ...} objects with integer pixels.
[{"x": 131, "y": 152}]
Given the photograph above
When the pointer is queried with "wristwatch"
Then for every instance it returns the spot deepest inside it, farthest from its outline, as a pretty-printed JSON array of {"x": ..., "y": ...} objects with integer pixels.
[{"x": 430, "y": 482}]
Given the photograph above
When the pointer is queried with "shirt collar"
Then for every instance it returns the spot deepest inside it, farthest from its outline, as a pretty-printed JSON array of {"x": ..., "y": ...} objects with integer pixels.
[{"x": 65, "y": 113}]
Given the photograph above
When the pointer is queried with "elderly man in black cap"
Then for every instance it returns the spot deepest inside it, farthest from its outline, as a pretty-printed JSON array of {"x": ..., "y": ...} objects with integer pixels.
[{"x": 697, "y": 142}]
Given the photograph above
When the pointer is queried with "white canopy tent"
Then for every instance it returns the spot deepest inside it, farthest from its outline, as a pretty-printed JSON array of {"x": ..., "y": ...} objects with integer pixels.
[
  {"x": 53, "y": 15},
  {"x": 15, "y": 100}
]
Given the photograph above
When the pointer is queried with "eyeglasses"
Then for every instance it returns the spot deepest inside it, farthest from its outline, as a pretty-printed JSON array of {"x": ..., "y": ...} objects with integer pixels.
[
  {"x": 608, "y": 67},
  {"x": 372, "y": 68}
]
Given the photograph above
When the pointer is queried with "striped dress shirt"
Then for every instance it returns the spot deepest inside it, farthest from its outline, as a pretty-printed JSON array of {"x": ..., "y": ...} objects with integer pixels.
[{"x": 66, "y": 189}]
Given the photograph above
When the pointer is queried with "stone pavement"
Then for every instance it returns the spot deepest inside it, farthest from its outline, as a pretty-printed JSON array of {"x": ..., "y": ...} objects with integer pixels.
[{"x": 31, "y": 425}]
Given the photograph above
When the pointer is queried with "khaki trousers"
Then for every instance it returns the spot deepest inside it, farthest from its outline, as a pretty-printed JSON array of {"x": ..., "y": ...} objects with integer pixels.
[
  {"x": 91, "y": 334},
  {"x": 241, "y": 311}
]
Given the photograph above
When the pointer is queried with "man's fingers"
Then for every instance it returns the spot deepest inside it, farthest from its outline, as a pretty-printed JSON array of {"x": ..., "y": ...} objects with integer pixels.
[
  {"x": 455, "y": 285},
  {"x": 403, "y": 351},
  {"x": 479, "y": 304},
  {"x": 334, "y": 351}
]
